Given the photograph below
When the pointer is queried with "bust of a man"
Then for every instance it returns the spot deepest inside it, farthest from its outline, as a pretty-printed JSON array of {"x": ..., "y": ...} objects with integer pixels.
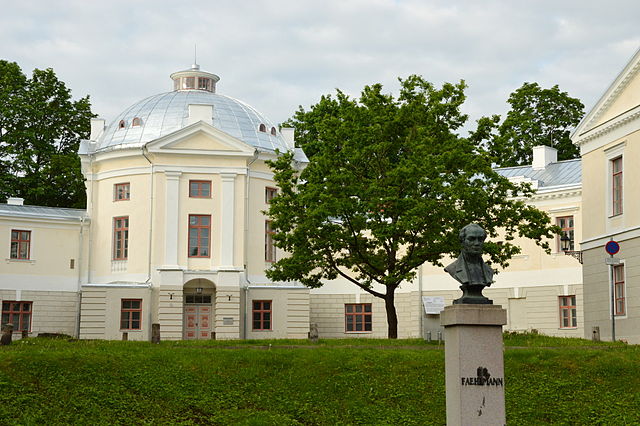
[{"x": 469, "y": 269}]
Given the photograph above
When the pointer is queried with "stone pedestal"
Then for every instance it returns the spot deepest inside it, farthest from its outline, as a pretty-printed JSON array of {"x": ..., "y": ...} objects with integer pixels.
[{"x": 474, "y": 364}]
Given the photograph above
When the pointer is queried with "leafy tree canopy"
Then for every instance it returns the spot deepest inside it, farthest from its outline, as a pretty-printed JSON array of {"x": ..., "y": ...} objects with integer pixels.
[
  {"x": 537, "y": 117},
  {"x": 40, "y": 130},
  {"x": 388, "y": 187}
]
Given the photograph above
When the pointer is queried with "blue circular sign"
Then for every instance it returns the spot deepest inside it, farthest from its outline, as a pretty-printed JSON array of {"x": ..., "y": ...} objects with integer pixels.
[{"x": 612, "y": 247}]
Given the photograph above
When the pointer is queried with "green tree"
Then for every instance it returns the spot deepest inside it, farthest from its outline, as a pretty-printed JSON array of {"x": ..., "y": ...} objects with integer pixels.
[
  {"x": 40, "y": 130},
  {"x": 537, "y": 117},
  {"x": 388, "y": 186}
]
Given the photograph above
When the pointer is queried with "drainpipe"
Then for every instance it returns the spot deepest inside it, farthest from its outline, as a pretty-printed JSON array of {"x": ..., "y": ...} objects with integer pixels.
[
  {"x": 420, "y": 308},
  {"x": 80, "y": 241},
  {"x": 247, "y": 180},
  {"x": 90, "y": 209},
  {"x": 89, "y": 245}
]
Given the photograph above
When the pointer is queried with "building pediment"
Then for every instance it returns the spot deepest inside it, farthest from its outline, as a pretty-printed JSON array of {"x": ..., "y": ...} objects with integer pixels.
[
  {"x": 616, "y": 113},
  {"x": 200, "y": 139}
]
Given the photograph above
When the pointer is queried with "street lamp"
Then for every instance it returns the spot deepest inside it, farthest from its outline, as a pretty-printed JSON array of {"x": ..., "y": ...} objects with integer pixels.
[{"x": 565, "y": 246}]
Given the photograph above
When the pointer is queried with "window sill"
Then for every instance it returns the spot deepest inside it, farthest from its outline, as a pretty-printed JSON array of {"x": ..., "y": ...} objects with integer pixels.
[
  {"x": 568, "y": 328},
  {"x": 262, "y": 331},
  {"x": 11, "y": 260},
  {"x": 358, "y": 332},
  {"x": 521, "y": 256}
]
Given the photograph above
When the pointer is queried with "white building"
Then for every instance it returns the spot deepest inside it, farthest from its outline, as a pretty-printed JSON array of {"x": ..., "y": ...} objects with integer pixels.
[{"x": 174, "y": 234}]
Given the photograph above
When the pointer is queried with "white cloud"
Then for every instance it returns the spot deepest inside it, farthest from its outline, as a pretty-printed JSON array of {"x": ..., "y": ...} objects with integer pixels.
[{"x": 276, "y": 55}]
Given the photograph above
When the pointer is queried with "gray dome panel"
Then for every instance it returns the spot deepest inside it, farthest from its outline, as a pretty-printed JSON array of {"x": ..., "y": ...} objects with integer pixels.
[{"x": 165, "y": 113}]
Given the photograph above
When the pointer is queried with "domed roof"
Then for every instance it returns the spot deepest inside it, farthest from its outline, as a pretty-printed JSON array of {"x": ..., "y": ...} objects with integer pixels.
[{"x": 162, "y": 114}]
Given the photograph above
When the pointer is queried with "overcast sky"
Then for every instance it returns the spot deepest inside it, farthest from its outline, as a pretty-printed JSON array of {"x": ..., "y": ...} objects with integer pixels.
[{"x": 279, "y": 54}]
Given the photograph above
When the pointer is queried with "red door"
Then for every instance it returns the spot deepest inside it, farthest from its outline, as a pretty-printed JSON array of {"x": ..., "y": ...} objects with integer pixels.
[{"x": 197, "y": 322}]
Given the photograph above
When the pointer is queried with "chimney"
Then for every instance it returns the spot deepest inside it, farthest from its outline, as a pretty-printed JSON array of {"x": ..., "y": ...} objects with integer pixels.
[
  {"x": 15, "y": 201},
  {"x": 544, "y": 155},
  {"x": 288, "y": 134},
  {"x": 97, "y": 127}
]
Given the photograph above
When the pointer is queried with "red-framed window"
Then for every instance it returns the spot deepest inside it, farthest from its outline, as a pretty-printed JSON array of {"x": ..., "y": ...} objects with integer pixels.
[
  {"x": 189, "y": 83},
  {"x": 619, "y": 290},
  {"x": 357, "y": 317},
  {"x": 121, "y": 238},
  {"x": 18, "y": 314},
  {"x": 269, "y": 247},
  {"x": 20, "y": 244},
  {"x": 200, "y": 188},
  {"x": 131, "y": 314},
  {"x": 567, "y": 227},
  {"x": 204, "y": 83},
  {"x": 136, "y": 122},
  {"x": 199, "y": 235},
  {"x": 121, "y": 191},
  {"x": 269, "y": 194},
  {"x": 568, "y": 312},
  {"x": 261, "y": 314},
  {"x": 121, "y": 124},
  {"x": 616, "y": 186},
  {"x": 262, "y": 128}
]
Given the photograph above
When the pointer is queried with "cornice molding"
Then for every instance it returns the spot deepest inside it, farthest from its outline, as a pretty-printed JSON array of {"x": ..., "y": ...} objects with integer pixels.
[
  {"x": 46, "y": 221},
  {"x": 614, "y": 92},
  {"x": 620, "y": 236},
  {"x": 555, "y": 195},
  {"x": 620, "y": 127}
]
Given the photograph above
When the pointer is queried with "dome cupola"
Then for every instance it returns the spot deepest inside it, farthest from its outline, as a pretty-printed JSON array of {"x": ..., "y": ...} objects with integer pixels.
[
  {"x": 194, "y": 79},
  {"x": 165, "y": 113}
]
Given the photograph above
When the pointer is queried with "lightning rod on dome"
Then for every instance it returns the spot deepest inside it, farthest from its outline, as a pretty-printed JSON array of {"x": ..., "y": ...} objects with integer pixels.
[{"x": 195, "y": 65}]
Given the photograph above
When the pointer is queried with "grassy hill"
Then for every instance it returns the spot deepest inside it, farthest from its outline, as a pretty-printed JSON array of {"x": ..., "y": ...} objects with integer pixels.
[{"x": 547, "y": 380}]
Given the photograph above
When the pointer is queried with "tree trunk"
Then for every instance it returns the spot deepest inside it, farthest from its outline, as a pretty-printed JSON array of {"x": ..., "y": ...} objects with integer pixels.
[{"x": 392, "y": 317}]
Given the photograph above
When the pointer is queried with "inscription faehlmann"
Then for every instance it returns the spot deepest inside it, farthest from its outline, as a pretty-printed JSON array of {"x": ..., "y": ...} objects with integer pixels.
[{"x": 483, "y": 378}]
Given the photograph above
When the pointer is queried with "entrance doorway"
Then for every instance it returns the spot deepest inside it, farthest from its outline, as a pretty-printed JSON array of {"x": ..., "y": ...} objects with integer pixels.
[{"x": 198, "y": 310}]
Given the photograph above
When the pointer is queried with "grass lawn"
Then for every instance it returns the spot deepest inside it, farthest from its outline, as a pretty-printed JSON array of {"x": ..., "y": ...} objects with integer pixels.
[{"x": 279, "y": 382}]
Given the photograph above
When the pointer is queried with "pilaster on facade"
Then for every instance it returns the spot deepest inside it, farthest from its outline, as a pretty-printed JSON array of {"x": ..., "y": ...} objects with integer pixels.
[
  {"x": 93, "y": 313},
  {"x": 172, "y": 210},
  {"x": 228, "y": 320},
  {"x": 227, "y": 225},
  {"x": 170, "y": 312},
  {"x": 298, "y": 314}
]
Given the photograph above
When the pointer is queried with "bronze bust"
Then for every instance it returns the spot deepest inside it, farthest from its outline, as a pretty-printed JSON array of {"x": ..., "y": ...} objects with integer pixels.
[{"x": 469, "y": 269}]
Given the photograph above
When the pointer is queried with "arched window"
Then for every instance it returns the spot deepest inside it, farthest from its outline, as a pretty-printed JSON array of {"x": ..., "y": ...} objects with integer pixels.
[
  {"x": 273, "y": 131},
  {"x": 136, "y": 121},
  {"x": 263, "y": 128},
  {"x": 121, "y": 124}
]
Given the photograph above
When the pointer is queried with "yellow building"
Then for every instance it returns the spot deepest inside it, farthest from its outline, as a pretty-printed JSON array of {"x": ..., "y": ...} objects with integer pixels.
[
  {"x": 609, "y": 141},
  {"x": 175, "y": 234},
  {"x": 540, "y": 291},
  {"x": 42, "y": 255}
]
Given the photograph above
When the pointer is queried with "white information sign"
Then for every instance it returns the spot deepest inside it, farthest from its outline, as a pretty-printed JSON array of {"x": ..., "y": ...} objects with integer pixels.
[{"x": 433, "y": 305}]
